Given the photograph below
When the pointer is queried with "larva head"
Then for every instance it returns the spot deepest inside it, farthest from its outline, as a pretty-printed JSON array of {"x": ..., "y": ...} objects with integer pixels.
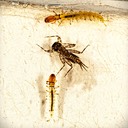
[
  {"x": 50, "y": 19},
  {"x": 52, "y": 78},
  {"x": 56, "y": 46}
]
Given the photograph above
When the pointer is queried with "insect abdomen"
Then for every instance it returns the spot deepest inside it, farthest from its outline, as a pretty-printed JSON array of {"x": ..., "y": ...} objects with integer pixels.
[
  {"x": 73, "y": 58},
  {"x": 52, "y": 98}
]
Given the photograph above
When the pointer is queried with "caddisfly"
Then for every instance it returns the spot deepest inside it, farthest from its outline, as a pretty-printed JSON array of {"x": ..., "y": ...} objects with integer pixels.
[{"x": 92, "y": 16}]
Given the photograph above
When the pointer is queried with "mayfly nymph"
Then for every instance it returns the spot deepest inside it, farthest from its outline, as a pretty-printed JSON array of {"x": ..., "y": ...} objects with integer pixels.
[{"x": 66, "y": 54}]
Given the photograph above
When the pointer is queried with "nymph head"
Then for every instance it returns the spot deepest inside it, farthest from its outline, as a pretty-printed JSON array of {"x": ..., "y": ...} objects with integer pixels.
[
  {"x": 50, "y": 19},
  {"x": 56, "y": 46}
]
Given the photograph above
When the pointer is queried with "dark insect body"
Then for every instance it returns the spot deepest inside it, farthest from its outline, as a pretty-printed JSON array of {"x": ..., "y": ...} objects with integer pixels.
[{"x": 66, "y": 55}]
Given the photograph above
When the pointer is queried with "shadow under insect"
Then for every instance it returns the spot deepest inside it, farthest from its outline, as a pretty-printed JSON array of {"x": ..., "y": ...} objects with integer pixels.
[
  {"x": 66, "y": 54},
  {"x": 41, "y": 94}
]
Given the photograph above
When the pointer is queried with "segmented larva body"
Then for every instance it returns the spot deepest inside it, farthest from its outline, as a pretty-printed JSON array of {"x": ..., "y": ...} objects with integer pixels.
[
  {"x": 92, "y": 16},
  {"x": 51, "y": 90}
]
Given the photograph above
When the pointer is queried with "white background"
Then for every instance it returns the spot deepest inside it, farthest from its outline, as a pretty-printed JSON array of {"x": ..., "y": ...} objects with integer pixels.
[{"x": 92, "y": 99}]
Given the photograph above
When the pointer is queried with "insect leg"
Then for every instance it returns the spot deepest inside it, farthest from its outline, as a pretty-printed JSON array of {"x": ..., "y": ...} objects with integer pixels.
[
  {"x": 84, "y": 48},
  {"x": 70, "y": 64},
  {"x": 55, "y": 13},
  {"x": 50, "y": 51},
  {"x": 71, "y": 11},
  {"x": 77, "y": 52},
  {"x": 60, "y": 69},
  {"x": 58, "y": 38},
  {"x": 67, "y": 45},
  {"x": 63, "y": 61},
  {"x": 60, "y": 22}
]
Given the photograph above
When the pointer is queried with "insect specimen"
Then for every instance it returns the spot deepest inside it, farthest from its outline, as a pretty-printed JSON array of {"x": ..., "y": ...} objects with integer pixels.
[
  {"x": 92, "y": 16},
  {"x": 52, "y": 92},
  {"x": 66, "y": 54}
]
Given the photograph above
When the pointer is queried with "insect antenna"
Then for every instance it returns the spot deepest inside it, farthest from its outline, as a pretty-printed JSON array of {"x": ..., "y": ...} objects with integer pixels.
[
  {"x": 50, "y": 51},
  {"x": 40, "y": 47}
]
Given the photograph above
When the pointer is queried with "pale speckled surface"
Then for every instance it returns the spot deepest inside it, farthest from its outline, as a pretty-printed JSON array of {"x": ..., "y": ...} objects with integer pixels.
[{"x": 93, "y": 99}]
